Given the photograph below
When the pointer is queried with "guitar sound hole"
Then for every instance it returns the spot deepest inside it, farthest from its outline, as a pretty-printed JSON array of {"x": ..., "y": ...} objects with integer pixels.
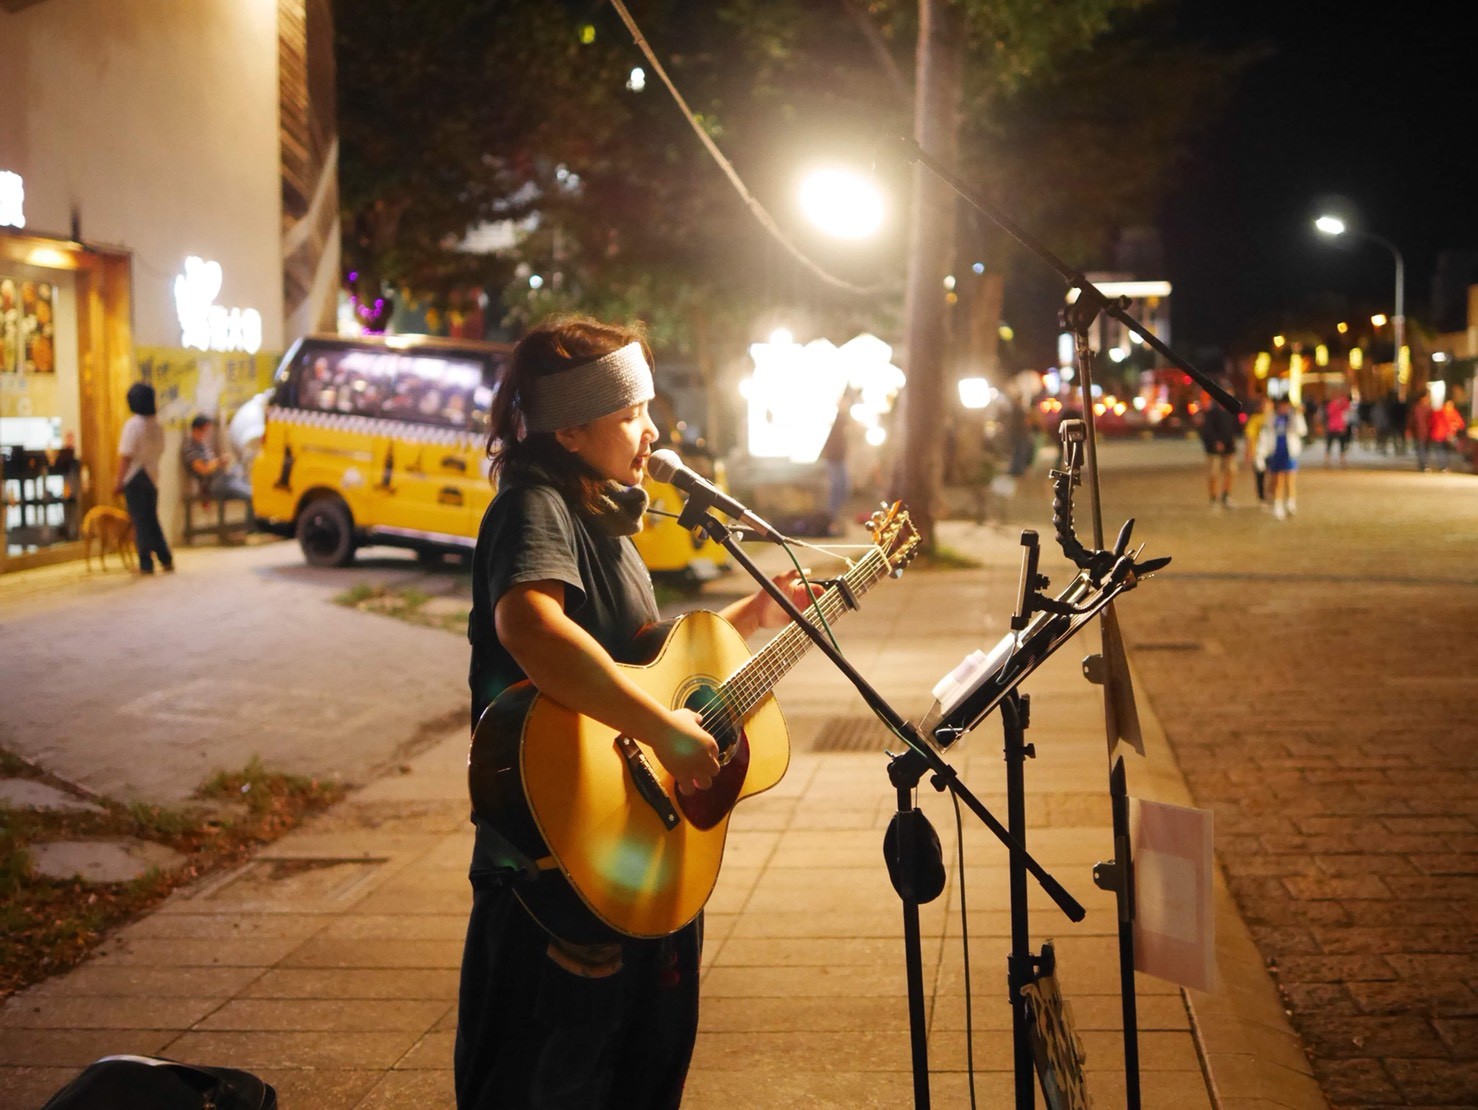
[{"x": 721, "y": 723}]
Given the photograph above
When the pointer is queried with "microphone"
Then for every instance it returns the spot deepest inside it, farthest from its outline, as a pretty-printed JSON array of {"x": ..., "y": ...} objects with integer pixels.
[{"x": 666, "y": 466}]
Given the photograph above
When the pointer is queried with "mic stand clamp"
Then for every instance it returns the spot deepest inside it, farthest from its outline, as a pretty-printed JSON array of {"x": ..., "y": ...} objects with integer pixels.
[{"x": 915, "y": 863}]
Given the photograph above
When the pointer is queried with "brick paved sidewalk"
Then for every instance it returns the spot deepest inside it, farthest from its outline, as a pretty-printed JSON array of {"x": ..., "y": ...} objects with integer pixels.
[{"x": 1316, "y": 680}]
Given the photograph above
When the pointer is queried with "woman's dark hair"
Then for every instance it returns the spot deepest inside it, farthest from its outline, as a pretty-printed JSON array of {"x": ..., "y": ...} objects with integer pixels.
[
  {"x": 141, "y": 399},
  {"x": 559, "y": 343}
]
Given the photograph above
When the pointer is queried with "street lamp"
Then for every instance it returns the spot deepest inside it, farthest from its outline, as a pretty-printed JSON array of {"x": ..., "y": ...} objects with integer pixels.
[
  {"x": 1333, "y": 225},
  {"x": 842, "y": 203}
]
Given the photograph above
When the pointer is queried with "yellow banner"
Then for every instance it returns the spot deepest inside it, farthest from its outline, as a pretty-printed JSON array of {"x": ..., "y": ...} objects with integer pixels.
[{"x": 216, "y": 383}]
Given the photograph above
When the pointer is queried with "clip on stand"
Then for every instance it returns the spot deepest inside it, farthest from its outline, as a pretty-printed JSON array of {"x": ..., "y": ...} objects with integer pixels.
[
  {"x": 1078, "y": 317},
  {"x": 911, "y": 847}
]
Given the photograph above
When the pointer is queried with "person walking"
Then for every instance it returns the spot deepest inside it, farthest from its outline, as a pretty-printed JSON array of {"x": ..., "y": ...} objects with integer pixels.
[
  {"x": 1219, "y": 430},
  {"x": 1279, "y": 445},
  {"x": 140, "y": 447},
  {"x": 1255, "y": 422},
  {"x": 1337, "y": 412},
  {"x": 558, "y": 595},
  {"x": 834, "y": 455},
  {"x": 1446, "y": 425},
  {"x": 1419, "y": 423}
]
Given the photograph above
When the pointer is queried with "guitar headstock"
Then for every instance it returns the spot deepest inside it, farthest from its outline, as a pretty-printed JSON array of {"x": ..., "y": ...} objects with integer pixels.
[{"x": 894, "y": 535}]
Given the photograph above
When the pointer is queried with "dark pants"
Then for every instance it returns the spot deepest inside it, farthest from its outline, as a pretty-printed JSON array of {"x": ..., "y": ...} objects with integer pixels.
[
  {"x": 533, "y": 1036},
  {"x": 142, "y": 498}
]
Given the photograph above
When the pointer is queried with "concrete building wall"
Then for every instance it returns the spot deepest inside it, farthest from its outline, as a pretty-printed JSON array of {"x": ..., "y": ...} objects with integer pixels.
[{"x": 152, "y": 125}]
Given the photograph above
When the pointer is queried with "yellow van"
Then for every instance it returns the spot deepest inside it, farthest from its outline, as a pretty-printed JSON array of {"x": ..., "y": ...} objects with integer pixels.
[{"x": 381, "y": 440}]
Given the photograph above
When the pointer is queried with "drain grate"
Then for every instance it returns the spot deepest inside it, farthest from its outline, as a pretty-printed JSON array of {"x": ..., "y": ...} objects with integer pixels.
[{"x": 852, "y": 734}]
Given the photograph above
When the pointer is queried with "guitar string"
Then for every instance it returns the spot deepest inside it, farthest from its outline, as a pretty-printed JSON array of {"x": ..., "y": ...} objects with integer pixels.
[
  {"x": 743, "y": 690},
  {"x": 737, "y": 695},
  {"x": 748, "y": 683}
]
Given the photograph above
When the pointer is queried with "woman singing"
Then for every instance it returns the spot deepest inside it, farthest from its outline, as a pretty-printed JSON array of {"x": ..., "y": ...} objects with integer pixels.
[{"x": 559, "y": 592}]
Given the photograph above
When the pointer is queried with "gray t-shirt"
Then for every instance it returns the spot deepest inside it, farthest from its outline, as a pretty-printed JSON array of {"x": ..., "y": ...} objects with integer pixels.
[{"x": 530, "y": 533}]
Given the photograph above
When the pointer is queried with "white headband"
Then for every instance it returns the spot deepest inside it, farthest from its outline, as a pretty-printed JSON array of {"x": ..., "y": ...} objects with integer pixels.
[{"x": 588, "y": 392}]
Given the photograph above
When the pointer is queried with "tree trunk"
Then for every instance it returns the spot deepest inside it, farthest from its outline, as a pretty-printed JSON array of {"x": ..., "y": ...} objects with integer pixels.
[{"x": 931, "y": 237}]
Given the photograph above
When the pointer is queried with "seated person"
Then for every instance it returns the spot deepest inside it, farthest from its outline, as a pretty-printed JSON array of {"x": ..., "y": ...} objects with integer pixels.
[{"x": 217, "y": 478}]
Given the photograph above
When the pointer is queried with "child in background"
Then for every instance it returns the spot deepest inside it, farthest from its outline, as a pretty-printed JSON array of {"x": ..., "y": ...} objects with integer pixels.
[{"x": 1279, "y": 445}]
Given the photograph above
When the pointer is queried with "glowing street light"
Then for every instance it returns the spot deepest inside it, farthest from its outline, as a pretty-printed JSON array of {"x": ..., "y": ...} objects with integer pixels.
[
  {"x": 1333, "y": 225},
  {"x": 842, "y": 203}
]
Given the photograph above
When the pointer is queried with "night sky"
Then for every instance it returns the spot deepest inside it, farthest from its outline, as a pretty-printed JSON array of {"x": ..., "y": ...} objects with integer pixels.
[{"x": 1370, "y": 107}]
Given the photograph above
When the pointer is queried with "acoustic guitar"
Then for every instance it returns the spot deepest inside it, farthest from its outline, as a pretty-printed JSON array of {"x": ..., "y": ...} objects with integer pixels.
[{"x": 619, "y": 851}]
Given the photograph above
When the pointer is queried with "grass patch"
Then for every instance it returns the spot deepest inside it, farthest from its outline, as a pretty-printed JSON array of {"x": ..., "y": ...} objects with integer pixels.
[
  {"x": 944, "y": 557},
  {"x": 447, "y": 612},
  {"x": 49, "y": 925}
]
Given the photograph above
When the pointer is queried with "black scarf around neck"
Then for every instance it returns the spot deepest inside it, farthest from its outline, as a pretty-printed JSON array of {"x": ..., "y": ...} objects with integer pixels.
[{"x": 618, "y": 510}]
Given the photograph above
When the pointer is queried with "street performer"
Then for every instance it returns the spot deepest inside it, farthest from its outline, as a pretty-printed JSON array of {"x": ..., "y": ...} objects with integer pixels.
[{"x": 558, "y": 594}]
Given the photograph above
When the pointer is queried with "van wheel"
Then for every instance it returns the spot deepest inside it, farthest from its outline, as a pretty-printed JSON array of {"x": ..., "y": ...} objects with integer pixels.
[{"x": 325, "y": 533}]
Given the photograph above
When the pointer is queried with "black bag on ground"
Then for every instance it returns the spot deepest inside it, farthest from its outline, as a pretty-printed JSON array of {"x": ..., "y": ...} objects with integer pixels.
[{"x": 152, "y": 1083}]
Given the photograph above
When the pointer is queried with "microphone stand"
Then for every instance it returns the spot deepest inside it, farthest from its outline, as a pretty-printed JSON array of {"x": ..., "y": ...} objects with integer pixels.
[
  {"x": 1120, "y": 718},
  {"x": 914, "y": 834}
]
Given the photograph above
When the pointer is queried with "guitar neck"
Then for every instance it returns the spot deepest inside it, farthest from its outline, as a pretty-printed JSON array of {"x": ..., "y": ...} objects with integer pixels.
[{"x": 749, "y": 685}]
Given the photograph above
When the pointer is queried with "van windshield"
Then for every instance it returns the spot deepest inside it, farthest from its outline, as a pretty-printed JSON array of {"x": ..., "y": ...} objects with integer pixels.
[{"x": 433, "y": 389}]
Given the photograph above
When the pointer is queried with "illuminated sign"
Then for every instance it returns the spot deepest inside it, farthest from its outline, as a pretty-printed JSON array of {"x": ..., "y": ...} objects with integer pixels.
[
  {"x": 206, "y": 325},
  {"x": 796, "y": 390},
  {"x": 12, "y": 200}
]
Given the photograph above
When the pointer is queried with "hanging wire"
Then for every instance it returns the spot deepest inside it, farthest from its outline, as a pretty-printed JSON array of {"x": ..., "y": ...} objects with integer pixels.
[{"x": 756, "y": 209}]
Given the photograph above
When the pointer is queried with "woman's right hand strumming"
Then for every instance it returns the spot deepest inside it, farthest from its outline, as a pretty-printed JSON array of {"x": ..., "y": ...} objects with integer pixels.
[{"x": 689, "y": 753}]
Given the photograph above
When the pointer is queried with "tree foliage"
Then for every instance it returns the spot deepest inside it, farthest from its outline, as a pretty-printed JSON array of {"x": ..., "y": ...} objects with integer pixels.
[{"x": 457, "y": 112}]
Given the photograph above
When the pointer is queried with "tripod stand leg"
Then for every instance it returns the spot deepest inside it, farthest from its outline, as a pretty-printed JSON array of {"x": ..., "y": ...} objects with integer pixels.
[
  {"x": 917, "y": 1027},
  {"x": 1020, "y": 970},
  {"x": 916, "y": 870},
  {"x": 1119, "y": 797}
]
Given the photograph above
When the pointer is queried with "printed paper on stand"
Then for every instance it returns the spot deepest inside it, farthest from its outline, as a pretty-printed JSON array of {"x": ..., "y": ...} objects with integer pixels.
[{"x": 1174, "y": 925}]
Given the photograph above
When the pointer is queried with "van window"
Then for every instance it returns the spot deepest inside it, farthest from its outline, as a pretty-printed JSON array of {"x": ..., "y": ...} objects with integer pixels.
[{"x": 439, "y": 390}]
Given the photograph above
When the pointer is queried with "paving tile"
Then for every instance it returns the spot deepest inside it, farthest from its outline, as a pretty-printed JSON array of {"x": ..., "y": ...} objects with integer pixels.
[
  {"x": 175, "y": 952},
  {"x": 312, "y": 983},
  {"x": 32, "y": 1086},
  {"x": 1348, "y": 1082},
  {"x": 224, "y": 926},
  {"x": 946, "y": 1051},
  {"x": 807, "y": 982},
  {"x": 315, "y": 1016},
  {"x": 433, "y": 1052},
  {"x": 129, "y": 981},
  {"x": 884, "y": 923},
  {"x": 830, "y": 952},
  {"x": 1451, "y": 1083},
  {"x": 1157, "y": 1051},
  {"x": 425, "y": 1090},
  {"x": 256, "y": 1051},
  {"x": 326, "y": 952},
  {"x": 320, "y": 1088},
  {"x": 1239, "y": 1077},
  {"x": 441, "y": 927},
  {"x": 880, "y": 1014},
  {"x": 76, "y": 1048},
  {"x": 89, "y": 1012},
  {"x": 757, "y": 1087}
]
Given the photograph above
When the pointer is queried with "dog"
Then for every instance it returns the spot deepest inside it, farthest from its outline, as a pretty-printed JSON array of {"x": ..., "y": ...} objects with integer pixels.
[{"x": 111, "y": 529}]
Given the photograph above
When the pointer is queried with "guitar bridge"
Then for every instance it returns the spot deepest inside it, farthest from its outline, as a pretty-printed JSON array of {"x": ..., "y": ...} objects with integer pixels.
[{"x": 645, "y": 781}]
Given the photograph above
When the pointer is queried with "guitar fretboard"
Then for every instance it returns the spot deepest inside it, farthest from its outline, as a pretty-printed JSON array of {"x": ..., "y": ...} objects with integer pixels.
[{"x": 748, "y": 686}]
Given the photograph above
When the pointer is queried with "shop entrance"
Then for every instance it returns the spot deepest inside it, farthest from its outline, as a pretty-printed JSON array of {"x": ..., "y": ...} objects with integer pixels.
[
  {"x": 63, "y": 334},
  {"x": 40, "y": 419}
]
